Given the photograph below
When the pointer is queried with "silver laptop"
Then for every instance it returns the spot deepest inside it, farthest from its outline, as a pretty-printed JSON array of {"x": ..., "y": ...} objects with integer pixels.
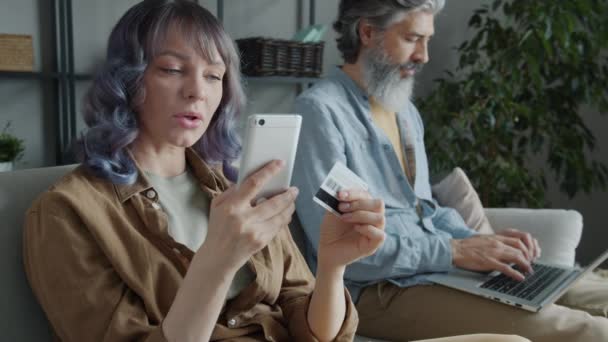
[{"x": 543, "y": 287}]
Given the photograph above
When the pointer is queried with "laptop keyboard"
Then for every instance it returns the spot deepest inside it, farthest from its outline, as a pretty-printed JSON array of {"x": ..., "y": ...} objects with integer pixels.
[{"x": 527, "y": 289}]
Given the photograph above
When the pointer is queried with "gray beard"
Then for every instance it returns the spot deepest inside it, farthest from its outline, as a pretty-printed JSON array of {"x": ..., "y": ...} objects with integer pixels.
[{"x": 383, "y": 80}]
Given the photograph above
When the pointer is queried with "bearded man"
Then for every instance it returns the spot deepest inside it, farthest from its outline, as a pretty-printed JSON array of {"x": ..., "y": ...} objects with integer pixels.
[{"x": 361, "y": 115}]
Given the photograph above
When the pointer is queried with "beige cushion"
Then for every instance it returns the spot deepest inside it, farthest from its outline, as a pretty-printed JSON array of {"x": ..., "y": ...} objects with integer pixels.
[
  {"x": 590, "y": 294},
  {"x": 455, "y": 191}
]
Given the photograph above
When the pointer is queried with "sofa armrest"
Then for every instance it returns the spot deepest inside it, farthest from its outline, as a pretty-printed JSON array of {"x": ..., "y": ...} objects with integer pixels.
[{"x": 558, "y": 231}]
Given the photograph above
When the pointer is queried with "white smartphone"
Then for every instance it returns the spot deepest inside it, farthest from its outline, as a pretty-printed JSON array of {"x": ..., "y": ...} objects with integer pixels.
[{"x": 269, "y": 137}]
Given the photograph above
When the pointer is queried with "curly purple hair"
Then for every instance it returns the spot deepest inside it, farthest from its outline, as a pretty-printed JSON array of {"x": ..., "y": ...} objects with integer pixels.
[{"x": 134, "y": 42}]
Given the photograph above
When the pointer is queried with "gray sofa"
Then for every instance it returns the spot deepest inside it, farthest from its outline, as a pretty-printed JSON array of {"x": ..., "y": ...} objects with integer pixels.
[
  {"x": 22, "y": 317},
  {"x": 558, "y": 231}
]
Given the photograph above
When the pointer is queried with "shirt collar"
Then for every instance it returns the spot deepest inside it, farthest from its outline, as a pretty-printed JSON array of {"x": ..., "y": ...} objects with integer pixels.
[
  {"x": 339, "y": 75},
  {"x": 211, "y": 180}
]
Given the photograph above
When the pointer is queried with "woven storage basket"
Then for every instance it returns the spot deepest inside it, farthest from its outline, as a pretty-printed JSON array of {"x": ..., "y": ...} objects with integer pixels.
[
  {"x": 279, "y": 57},
  {"x": 16, "y": 52}
]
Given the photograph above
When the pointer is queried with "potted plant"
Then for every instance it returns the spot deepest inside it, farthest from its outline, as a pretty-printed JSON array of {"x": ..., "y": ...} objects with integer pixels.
[
  {"x": 11, "y": 149},
  {"x": 515, "y": 101}
]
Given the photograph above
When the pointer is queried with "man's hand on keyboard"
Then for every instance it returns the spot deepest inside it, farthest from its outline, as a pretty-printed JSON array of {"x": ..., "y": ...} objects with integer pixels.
[
  {"x": 492, "y": 253},
  {"x": 532, "y": 247}
]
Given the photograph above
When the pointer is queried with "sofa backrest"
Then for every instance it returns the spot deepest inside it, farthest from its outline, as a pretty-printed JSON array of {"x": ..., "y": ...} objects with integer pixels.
[{"x": 21, "y": 316}]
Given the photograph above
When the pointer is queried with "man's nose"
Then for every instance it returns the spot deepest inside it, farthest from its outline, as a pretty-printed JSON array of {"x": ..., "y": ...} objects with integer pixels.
[{"x": 421, "y": 54}]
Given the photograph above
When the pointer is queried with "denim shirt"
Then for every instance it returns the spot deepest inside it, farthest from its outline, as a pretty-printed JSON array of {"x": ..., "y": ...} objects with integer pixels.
[{"x": 337, "y": 126}]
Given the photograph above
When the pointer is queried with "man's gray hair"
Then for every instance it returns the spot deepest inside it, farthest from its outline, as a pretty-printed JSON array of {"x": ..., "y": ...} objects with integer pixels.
[{"x": 379, "y": 13}]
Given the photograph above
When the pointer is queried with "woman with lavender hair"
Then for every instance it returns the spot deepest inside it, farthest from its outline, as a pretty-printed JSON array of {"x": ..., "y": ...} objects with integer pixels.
[{"x": 147, "y": 240}]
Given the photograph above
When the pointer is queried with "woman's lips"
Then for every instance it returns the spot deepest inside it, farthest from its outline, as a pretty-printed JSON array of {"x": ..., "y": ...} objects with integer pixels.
[{"x": 189, "y": 120}]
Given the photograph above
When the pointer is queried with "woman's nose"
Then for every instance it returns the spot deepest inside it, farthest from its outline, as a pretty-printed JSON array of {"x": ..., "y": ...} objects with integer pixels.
[{"x": 195, "y": 88}]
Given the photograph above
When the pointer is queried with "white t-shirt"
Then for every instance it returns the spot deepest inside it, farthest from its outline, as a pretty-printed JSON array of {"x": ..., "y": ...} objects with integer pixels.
[{"x": 187, "y": 209}]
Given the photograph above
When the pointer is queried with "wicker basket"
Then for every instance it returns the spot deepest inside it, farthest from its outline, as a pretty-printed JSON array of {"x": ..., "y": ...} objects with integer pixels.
[
  {"x": 279, "y": 57},
  {"x": 16, "y": 52}
]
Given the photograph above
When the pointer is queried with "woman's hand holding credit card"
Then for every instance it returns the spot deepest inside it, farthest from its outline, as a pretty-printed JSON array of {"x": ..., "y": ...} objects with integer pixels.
[{"x": 353, "y": 228}]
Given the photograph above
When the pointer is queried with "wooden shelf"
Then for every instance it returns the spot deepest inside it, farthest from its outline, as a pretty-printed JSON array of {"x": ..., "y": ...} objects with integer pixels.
[{"x": 24, "y": 75}]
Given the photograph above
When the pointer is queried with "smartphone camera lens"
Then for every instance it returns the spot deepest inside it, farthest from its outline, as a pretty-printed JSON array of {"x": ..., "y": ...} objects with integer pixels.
[{"x": 261, "y": 122}]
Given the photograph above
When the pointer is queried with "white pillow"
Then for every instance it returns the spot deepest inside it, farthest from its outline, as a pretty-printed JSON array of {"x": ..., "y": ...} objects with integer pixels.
[{"x": 456, "y": 191}]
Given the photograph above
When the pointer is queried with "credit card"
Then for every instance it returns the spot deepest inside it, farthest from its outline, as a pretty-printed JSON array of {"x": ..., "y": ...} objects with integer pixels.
[{"x": 339, "y": 178}]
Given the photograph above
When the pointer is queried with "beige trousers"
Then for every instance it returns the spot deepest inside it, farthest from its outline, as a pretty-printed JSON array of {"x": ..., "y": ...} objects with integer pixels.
[
  {"x": 479, "y": 338},
  {"x": 423, "y": 312}
]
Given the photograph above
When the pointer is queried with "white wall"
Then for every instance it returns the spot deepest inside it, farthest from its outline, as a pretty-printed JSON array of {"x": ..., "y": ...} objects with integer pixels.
[{"x": 22, "y": 101}]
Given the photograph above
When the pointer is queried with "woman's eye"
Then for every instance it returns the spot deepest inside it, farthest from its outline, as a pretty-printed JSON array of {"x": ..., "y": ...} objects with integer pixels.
[{"x": 214, "y": 77}]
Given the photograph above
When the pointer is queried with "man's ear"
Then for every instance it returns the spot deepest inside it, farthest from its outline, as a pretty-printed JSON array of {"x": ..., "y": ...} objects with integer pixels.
[{"x": 366, "y": 32}]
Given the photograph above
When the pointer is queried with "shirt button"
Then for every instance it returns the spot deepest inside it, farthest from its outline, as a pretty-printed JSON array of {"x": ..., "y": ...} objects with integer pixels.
[
  {"x": 232, "y": 322},
  {"x": 401, "y": 178},
  {"x": 386, "y": 147},
  {"x": 150, "y": 194}
]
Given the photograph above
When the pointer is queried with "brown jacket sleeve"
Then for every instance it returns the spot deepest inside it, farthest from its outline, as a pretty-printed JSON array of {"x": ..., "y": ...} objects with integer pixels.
[
  {"x": 296, "y": 292},
  {"x": 82, "y": 295}
]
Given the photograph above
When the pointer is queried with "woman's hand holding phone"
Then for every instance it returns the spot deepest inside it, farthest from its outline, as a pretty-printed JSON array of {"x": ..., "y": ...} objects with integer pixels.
[
  {"x": 358, "y": 233},
  {"x": 237, "y": 228}
]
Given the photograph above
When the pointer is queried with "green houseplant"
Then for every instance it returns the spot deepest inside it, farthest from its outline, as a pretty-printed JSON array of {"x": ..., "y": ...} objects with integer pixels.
[
  {"x": 514, "y": 101},
  {"x": 11, "y": 149}
]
